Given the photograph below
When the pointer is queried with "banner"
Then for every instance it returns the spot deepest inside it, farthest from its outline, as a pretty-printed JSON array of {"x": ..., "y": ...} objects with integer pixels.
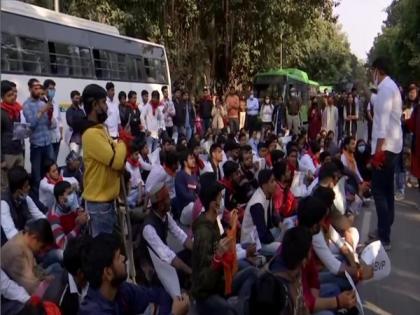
[{"x": 375, "y": 255}]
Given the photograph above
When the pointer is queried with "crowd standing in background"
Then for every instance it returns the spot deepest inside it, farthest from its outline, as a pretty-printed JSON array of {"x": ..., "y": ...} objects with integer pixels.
[{"x": 233, "y": 191}]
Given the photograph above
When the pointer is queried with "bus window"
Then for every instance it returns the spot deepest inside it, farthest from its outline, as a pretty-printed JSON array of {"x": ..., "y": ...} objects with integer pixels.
[
  {"x": 102, "y": 64},
  {"x": 131, "y": 68},
  {"x": 33, "y": 55},
  {"x": 149, "y": 69},
  {"x": 118, "y": 66},
  {"x": 66, "y": 60},
  {"x": 139, "y": 69},
  {"x": 9, "y": 54},
  {"x": 85, "y": 61},
  {"x": 155, "y": 70}
]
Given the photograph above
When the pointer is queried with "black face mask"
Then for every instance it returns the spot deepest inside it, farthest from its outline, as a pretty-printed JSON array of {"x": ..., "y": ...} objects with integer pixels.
[{"x": 102, "y": 116}]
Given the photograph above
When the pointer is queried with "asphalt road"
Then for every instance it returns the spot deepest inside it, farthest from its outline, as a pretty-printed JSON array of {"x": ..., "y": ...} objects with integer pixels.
[{"x": 398, "y": 294}]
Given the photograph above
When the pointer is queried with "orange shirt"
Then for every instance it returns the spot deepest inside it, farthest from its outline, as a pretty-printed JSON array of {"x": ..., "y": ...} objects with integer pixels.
[{"x": 232, "y": 105}]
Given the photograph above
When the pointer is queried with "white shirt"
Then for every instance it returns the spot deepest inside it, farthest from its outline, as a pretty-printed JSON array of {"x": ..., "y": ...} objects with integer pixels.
[
  {"x": 306, "y": 164},
  {"x": 135, "y": 176},
  {"x": 330, "y": 118},
  {"x": 74, "y": 290},
  {"x": 56, "y": 123},
  {"x": 154, "y": 241},
  {"x": 7, "y": 223},
  {"x": 46, "y": 191},
  {"x": 113, "y": 119},
  {"x": 158, "y": 175},
  {"x": 346, "y": 164},
  {"x": 387, "y": 111},
  {"x": 324, "y": 253},
  {"x": 152, "y": 122},
  {"x": 11, "y": 290}
]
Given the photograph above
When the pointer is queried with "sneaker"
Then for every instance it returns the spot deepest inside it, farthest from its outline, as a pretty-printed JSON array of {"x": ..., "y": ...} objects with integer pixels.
[
  {"x": 399, "y": 196},
  {"x": 409, "y": 184},
  {"x": 387, "y": 246}
]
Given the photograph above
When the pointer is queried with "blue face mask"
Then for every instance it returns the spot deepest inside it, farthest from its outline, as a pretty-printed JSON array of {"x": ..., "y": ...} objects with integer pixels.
[
  {"x": 71, "y": 202},
  {"x": 361, "y": 148},
  {"x": 51, "y": 94}
]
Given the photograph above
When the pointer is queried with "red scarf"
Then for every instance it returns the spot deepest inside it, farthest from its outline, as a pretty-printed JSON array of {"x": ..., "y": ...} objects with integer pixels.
[
  {"x": 292, "y": 168},
  {"x": 313, "y": 157},
  {"x": 268, "y": 160},
  {"x": 133, "y": 106},
  {"x": 169, "y": 170},
  {"x": 155, "y": 105},
  {"x": 227, "y": 183},
  {"x": 54, "y": 181},
  {"x": 132, "y": 162},
  {"x": 13, "y": 110}
]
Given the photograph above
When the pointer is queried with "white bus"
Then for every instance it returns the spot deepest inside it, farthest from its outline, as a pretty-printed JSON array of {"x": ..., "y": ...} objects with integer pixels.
[{"x": 43, "y": 44}]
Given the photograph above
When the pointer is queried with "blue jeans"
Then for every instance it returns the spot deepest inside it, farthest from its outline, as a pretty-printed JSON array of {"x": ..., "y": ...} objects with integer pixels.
[
  {"x": 241, "y": 287},
  {"x": 185, "y": 131},
  {"x": 326, "y": 277},
  {"x": 383, "y": 194},
  {"x": 37, "y": 156},
  {"x": 156, "y": 295},
  {"x": 103, "y": 217},
  {"x": 400, "y": 175},
  {"x": 56, "y": 149}
]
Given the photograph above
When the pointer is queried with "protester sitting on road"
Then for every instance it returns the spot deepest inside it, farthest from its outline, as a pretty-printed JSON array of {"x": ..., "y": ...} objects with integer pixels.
[
  {"x": 309, "y": 162},
  {"x": 320, "y": 298},
  {"x": 69, "y": 289},
  {"x": 73, "y": 168},
  {"x": 211, "y": 253},
  {"x": 287, "y": 267},
  {"x": 328, "y": 244},
  {"x": 66, "y": 217},
  {"x": 259, "y": 216},
  {"x": 156, "y": 227},
  {"x": 284, "y": 202},
  {"x": 165, "y": 174},
  {"x": 247, "y": 180},
  {"x": 105, "y": 269},
  {"x": 17, "y": 208},
  {"x": 51, "y": 178},
  {"x": 135, "y": 196},
  {"x": 18, "y": 256},
  {"x": 186, "y": 186}
]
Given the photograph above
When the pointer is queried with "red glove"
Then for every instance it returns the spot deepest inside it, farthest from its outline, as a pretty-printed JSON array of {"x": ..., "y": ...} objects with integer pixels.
[
  {"x": 127, "y": 138},
  {"x": 378, "y": 159}
]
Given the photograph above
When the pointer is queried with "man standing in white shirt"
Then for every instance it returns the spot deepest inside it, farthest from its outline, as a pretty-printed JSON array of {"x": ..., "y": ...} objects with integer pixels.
[
  {"x": 386, "y": 145},
  {"x": 153, "y": 121},
  {"x": 113, "y": 122},
  {"x": 330, "y": 116}
]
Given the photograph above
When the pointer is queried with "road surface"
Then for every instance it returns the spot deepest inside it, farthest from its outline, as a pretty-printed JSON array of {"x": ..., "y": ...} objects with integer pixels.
[{"x": 399, "y": 294}]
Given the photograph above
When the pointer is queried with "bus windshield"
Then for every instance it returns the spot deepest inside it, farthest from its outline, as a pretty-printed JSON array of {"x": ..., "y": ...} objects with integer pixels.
[{"x": 270, "y": 85}]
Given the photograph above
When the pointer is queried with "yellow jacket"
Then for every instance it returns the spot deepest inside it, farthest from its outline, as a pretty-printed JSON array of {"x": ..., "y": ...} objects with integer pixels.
[{"x": 103, "y": 161}]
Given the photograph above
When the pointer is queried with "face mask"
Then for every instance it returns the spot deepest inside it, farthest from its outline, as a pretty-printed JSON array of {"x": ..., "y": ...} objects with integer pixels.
[
  {"x": 51, "y": 94},
  {"x": 361, "y": 148},
  {"x": 102, "y": 116},
  {"x": 293, "y": 94}
]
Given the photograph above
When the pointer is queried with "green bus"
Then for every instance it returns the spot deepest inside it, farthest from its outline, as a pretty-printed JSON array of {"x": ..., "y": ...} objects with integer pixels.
[{"x": 278, "y": 82}]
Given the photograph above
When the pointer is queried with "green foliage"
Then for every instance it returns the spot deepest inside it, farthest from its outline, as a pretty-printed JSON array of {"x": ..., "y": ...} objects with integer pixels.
[
  {"x": 400, "y": 40},
  {"x": 228, "y": 41}
]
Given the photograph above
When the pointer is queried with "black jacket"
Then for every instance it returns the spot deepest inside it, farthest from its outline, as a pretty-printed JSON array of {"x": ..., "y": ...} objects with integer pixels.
[
  {"x": 205, "y": 107},
  {"x": 180, "y": 112},
  {"x": 9, "y": 146}
]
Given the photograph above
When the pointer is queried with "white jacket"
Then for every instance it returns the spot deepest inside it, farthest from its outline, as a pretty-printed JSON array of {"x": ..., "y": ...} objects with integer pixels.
[
  {"x": 248, "y": 225},
  {"x": 152, "y": 122},
  {"x": 266, "y": 113}
]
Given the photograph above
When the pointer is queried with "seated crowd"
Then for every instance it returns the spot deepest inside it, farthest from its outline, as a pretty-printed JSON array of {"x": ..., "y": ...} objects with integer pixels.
[{"x": 250, "y": 224}]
